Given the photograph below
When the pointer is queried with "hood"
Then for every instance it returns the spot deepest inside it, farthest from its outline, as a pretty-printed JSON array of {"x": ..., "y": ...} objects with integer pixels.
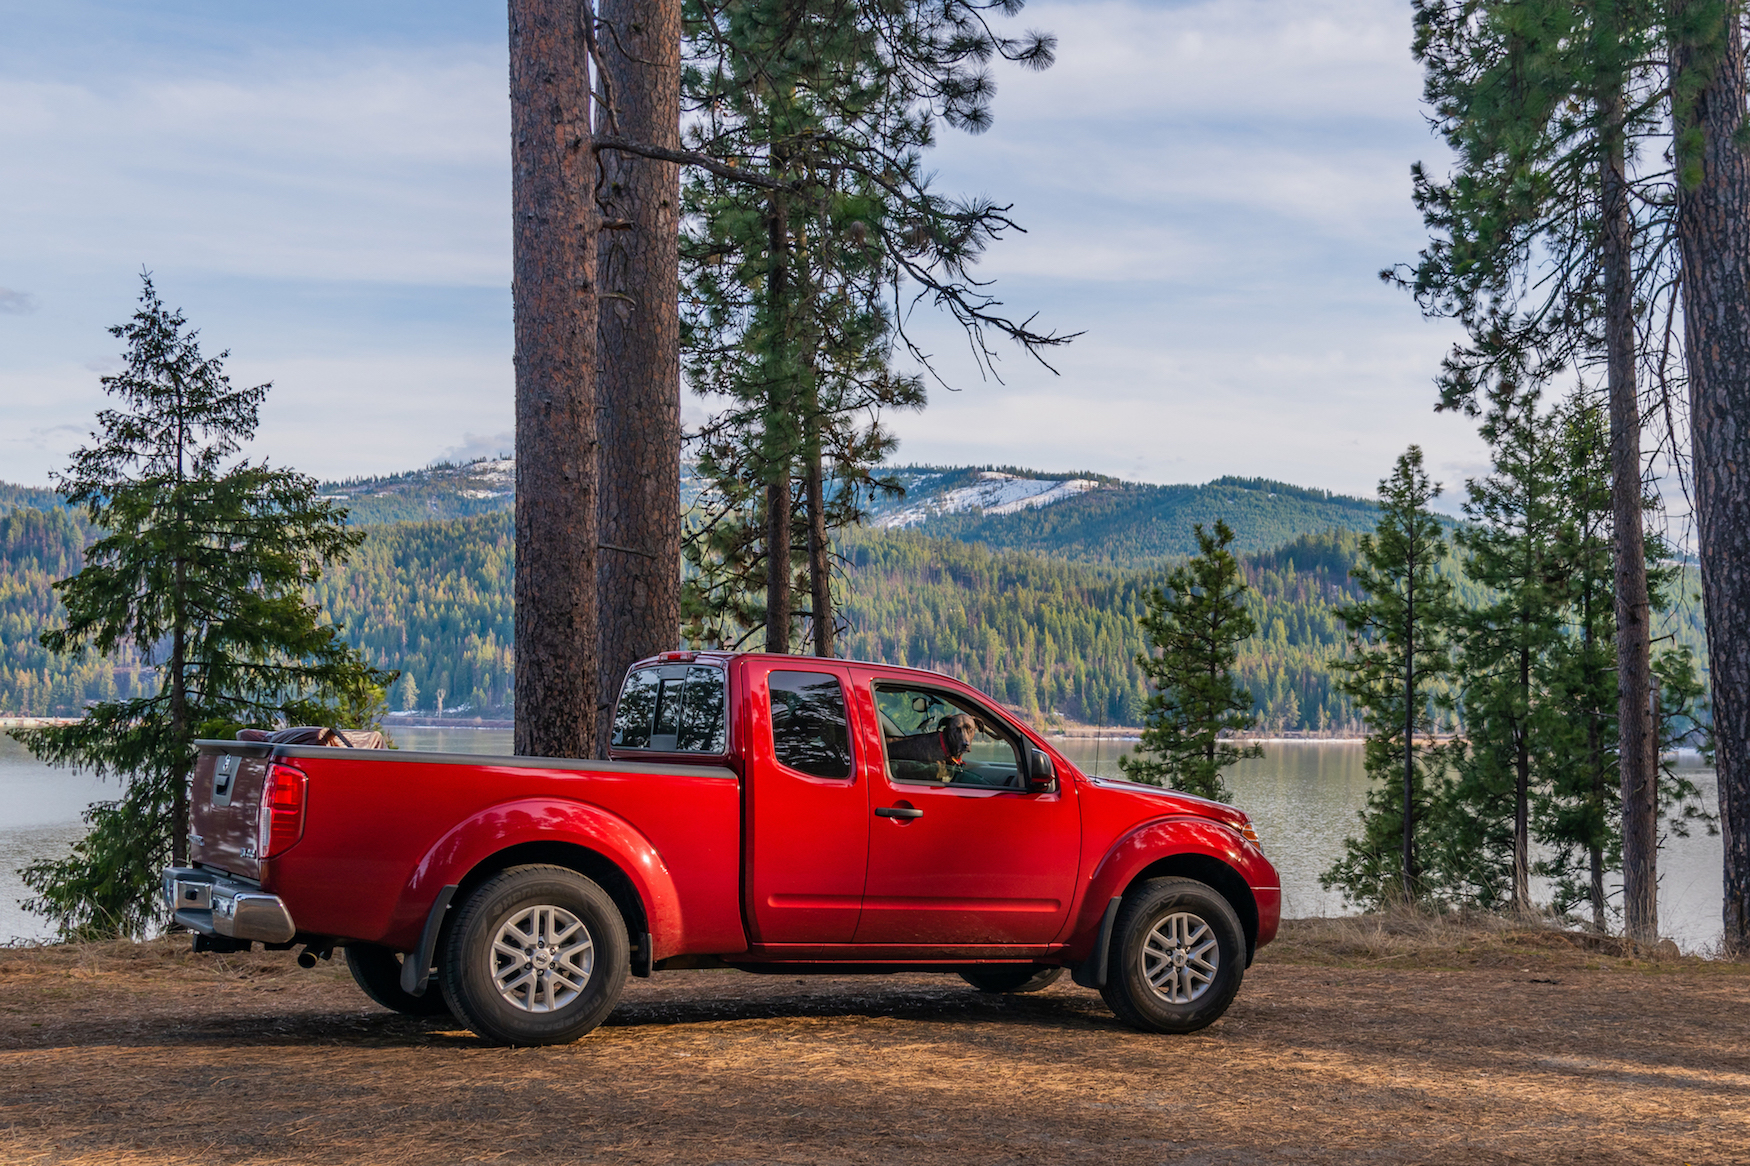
[{"x": 1169, "y": 801}]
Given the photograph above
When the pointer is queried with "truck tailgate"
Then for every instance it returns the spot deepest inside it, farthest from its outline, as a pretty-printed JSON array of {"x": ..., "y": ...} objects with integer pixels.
[{"x": 225, "y": 808}]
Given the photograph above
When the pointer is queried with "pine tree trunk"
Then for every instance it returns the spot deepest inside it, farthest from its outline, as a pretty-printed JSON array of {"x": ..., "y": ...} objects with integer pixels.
[
  {"x": 819, "y": 548},
  {"x": 1640, "y": 836},
  {"x": 1713, "y": 229},
  {"x": 1522, "y": 790},
  {"x": 639, "y": 595},
  {"x": 179, "y": 729},
  {"x": 1409, "y": 854},
  {"x": 779, "y": 514},
  {"x": 553, "y": 177},
  {"x": 778, "y": 446},
  {"x": 1594, "y": 760}
]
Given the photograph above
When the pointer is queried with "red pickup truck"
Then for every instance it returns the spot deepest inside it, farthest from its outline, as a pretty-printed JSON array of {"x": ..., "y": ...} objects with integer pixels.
[{"x": 769, "y": 813}]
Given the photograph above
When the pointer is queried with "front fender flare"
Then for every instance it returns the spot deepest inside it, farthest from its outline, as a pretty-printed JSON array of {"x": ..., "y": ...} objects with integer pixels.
[
  {"x": 1150, "y": 843},
  {"x": 475, "y": 839}
]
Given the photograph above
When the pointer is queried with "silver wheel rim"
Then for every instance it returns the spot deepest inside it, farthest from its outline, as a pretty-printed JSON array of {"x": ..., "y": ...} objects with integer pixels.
[
  {"x": 1180, "y": 957},
  {"x": 541, "y": 958}
]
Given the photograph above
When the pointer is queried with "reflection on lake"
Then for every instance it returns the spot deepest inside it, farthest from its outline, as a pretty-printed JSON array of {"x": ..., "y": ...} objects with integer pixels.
[
  {"x": 1303, "y": 796},
  {"x": 39, "y": 819},
  {"x": 498, "y": 742}
]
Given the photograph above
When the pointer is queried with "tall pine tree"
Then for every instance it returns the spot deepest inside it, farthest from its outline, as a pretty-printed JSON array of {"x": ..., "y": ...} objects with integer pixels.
[
  {"x": 1398, "y": 662},
  {"x": 807, "y": 237},
  {"x": 1552, "y": 248},
  {"x": 1195, "y": 624},
  {"x": 1517, "y": 514}
]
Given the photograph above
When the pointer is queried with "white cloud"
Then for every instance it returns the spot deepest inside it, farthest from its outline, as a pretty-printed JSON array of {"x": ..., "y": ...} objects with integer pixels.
[
  {"x": 1239, "y": 61},
  {"x": 476, "y": 445},
  {"x": 16, "y": 303},
  {"x": 336, "y": 417},
  {"x": 378, "y": 166}
]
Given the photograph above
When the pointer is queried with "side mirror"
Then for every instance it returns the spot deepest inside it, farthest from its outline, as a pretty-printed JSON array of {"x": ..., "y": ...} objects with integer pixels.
[{"x": 1041, "y": 773}]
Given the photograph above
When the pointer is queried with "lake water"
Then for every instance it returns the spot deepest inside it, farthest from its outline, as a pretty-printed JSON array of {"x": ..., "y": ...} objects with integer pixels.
[{"x": 1302, "y": 795}]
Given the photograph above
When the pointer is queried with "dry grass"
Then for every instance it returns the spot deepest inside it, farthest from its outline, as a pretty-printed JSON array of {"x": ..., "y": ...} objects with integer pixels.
[
  {"x": 1385, "y": 1040},
  {"x": 1417, "y": 939}
]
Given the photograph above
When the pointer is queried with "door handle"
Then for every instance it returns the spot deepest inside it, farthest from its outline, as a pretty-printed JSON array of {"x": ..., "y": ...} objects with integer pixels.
[{"x": 898, "y": 812}]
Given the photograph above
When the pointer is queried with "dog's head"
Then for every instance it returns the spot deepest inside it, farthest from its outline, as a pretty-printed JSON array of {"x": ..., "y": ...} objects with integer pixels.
[{"x": 958, "y": 733}]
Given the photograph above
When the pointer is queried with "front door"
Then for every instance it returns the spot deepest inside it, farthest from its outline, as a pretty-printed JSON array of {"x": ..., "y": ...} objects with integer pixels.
[
  {"x": 959, "y": 852},
  {"x": 808, "y": 812}
]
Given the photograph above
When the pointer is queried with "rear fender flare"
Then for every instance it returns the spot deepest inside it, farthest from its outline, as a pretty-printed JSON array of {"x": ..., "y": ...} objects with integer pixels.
[
  {"x": 1153, "y": 843},
  {"x": 476, "y": 839}
]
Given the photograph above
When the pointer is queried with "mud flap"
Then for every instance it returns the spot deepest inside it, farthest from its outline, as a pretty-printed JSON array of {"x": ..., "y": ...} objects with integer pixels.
[
  {"x": 1091, "y": 972},
  {"x": 416, "y": 968}
]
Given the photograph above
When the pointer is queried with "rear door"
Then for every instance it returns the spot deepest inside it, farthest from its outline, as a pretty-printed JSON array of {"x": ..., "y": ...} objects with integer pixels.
[
  {"x": 959, "y": 852},
  {"x": 807, "y": 816}
]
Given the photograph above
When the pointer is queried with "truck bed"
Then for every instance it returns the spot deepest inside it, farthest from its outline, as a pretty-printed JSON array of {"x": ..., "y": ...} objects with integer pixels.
[{"x": 383, "y": 829}]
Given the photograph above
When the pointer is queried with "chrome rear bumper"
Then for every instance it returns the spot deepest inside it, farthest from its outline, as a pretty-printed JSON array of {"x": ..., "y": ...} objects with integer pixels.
[{"x": 215, "y": 905}]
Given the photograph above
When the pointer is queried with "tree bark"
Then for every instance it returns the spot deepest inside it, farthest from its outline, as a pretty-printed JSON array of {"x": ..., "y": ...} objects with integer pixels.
[
  {"x": 1640, "y": 834},
  {"x": 553, "y": 173},
  {"x": 179, "y": 728},
  {"x": 1409, "y": 854},
  {"x": 1594, "y": 758},
  {"x": 1522, "y": 785},
  {"x": 819, "y": 546},
  {"x": 639, "y": 593},
  {"x": 778, "y": 447},
  {"x": 1713, "y": 230}
]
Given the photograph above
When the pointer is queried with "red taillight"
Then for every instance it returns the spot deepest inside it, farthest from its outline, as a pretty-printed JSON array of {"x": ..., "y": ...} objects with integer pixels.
[{"x": 282, "y": 811}]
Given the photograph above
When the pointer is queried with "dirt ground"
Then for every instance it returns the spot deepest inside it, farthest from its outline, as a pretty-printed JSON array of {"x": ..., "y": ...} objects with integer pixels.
[{"x": 1349, "y": 1043}]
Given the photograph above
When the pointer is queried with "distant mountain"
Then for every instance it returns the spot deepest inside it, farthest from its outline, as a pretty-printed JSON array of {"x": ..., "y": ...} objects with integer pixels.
[
  {"x": 32, "y": 496},
  {"x": 1083, "y": 516},
  {"x": 1096, "y": 519},
  {"x": 434, "y": 494}
]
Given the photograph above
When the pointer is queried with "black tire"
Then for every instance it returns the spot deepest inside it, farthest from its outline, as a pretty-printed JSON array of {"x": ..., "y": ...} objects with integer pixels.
[
  {"x": 1197, "y": 959},
  {"x": 547, "y": 1000},
  {"x": 1005, "y": 980},
  {"x": 377, "y": 971}
]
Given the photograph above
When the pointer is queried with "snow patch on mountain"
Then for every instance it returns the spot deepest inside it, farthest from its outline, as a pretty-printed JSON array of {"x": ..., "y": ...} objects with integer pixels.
[{"x": 993, "y": 493}]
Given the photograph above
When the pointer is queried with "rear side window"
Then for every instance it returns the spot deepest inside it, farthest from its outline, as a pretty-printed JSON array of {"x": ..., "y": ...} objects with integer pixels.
[
  {"x": 809, "y": 732},
  {"x": 675, "y": 708}
]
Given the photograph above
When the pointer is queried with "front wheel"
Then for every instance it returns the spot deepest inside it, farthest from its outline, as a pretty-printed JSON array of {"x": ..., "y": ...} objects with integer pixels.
[
  {"x": 1006, "y": 980},
  {"x": 538, "y": 956},
  {"x": 377, "y": 971},
  {"x": 1178, "y": 954}
]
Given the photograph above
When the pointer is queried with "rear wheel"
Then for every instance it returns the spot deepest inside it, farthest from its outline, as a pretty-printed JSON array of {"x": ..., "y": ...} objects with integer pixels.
[
  {"x": 538, "y": 956},
  {"x": 377, "y": 971},
  {"x": 1178, "y": 954},
  {"x": 1004, "y": 980}
]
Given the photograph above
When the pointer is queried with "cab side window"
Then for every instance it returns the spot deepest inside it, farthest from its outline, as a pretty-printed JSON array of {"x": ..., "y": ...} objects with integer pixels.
[
  {"x": 921, "y": 728},
  {"x": 674, "y": 708},
  {"x": 809, "y": 730}
]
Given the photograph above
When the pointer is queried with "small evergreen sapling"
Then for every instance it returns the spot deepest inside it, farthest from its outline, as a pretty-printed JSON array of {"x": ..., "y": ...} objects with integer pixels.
[
  {"x": 206, "y": 569},
  {"x": 1195, "y": 625}
]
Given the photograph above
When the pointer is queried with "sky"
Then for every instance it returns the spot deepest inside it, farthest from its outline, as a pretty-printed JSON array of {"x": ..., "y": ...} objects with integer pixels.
[{"x": 1209, "y": 190}]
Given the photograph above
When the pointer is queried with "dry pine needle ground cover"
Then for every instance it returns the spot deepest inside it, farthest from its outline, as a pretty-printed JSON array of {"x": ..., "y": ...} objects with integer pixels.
[{"x": 1351, "y": 1041}]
